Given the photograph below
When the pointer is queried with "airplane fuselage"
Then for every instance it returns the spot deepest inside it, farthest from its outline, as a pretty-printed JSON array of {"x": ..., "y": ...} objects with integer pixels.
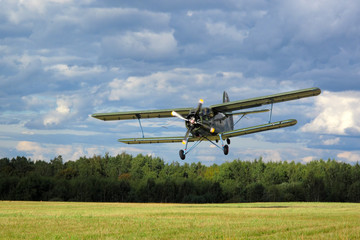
[{"x": 207, "y": 123}]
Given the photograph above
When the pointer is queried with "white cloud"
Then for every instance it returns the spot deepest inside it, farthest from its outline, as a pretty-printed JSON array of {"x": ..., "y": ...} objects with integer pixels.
[
  {"x": 144, "y": 45},
  {"x": 154, "y": 86},
  {"x": 337, "y": 113},
  {"x": 20, "y": 11},
  {"x": 332, "y": 141},
  {"x": 42, "y": 151},
  {"x": 63, "y": 106},
  {"x": 33, "y": 148},
  {"x": 67, "y": 107},
  {"x": 349, "y": 156},
  {"x": 308, "y": 159},
  {"x": 61, "y": 112},
  {"x": 221, "y": 29},
  {"x": 75, "y": 71}
]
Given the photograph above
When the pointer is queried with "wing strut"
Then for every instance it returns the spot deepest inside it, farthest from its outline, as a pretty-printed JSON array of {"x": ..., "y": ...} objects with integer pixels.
[
  {"x": 239, "y": 119},
  {"x": 272, "y": 103},
  {"x": 142, "y": 130}
]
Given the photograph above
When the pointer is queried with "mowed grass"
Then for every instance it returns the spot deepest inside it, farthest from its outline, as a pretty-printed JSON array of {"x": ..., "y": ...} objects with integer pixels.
[{"x": 63, "y": 220}]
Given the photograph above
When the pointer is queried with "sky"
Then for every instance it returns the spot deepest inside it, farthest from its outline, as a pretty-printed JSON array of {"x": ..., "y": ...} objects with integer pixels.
[{"x": 63, "y": 60}]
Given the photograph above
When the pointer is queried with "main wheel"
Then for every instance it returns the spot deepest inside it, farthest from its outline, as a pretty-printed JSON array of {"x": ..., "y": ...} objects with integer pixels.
[
  {"x": 226, "y": 149},
  {"x": 182, "y": 154}
]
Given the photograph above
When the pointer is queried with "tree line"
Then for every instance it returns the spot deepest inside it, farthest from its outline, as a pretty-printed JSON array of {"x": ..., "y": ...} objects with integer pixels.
[{"x": 125, "y": 178}]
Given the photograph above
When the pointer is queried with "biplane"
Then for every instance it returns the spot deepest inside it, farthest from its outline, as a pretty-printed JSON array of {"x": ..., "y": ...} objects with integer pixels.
[{"x": 214, "y": 123}]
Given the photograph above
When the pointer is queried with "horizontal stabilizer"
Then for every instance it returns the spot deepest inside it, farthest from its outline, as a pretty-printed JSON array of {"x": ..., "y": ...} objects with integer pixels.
[{"x": 247, "y": 112}]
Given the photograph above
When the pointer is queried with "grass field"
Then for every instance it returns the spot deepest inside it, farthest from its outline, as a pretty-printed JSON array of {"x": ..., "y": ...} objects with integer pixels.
[{"x": 57, "y": 220}]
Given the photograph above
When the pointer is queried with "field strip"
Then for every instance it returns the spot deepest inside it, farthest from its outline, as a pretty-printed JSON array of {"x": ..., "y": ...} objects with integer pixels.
[{"x": 74, "y": 220}]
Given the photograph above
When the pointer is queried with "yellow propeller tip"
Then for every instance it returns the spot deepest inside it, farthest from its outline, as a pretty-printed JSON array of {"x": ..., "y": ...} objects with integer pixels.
[
  {"x": 212, "y": 130},
  {"x": 201, "y": 101},
  {"x": 183, "y": 142}
]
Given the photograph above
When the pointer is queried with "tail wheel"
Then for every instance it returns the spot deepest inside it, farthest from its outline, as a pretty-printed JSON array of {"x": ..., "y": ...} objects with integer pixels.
[
  {"x": 182, "y": 154},
  {"x": 226, "y": 149},
  {"x": 228, "y": 141}
]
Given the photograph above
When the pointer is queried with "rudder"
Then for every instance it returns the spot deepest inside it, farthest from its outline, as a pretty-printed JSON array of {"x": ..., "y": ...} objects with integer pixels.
[{"x": 230, "y": 120}]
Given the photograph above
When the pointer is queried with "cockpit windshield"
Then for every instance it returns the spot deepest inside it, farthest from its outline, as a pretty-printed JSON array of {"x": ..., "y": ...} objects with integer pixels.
[{"x": 206, "y": 112}]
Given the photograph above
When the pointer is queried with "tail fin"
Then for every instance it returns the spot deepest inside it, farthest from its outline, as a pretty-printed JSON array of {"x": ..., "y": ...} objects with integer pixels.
[
  {"x": 225, "y": 97},
  {"x": 230, "y": 120}
]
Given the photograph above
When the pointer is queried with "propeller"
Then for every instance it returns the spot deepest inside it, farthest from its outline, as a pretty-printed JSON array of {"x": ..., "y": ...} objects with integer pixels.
[{"x": 192, "y": 121}]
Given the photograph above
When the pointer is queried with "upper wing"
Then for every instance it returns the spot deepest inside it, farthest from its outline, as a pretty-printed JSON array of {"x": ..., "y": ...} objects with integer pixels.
[
  {"x": 259, "y": 101},
  {"x": 164, "y": 113}
]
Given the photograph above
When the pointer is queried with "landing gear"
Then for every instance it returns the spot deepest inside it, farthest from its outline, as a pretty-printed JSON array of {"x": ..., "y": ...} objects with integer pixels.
[
  {"x": 182, "y": 154},
  {"x": 226, "y": 149}
]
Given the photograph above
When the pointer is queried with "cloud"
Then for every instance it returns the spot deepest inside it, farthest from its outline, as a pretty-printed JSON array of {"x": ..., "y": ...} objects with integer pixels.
[
  {"x": 221, "y": 29},
  {"x": 61, "y": 60},
  {"x": 143, "y": 45},
  {"x": 46, "y": 151},
  {"x": 332, "y": 141},
  {"x": 349, "y": 156},
  {"x": 57, "y": 112},
  {"x": 62, "y": 111},
  {"x": 336, "y": 113},
  {"x": 334, "y": 17},
  {"x": 75, "y": 71},
  {"x": 144, "y": 87},
  {"x": 309, "y": 159},
  {"x": 33, "y": 148}
]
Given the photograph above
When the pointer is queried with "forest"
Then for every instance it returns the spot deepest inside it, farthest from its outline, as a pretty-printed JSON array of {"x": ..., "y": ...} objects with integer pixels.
[{"x": 127, "y": 178}]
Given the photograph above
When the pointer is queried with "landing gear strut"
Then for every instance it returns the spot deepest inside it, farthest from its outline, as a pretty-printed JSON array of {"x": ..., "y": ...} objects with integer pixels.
[{"x": 224, "y": 147}]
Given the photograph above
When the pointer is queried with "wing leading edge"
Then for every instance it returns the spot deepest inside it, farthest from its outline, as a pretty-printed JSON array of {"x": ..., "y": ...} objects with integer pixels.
[
  {"x": 163, "y": 113},
  {"x": 229, "y": 134}
]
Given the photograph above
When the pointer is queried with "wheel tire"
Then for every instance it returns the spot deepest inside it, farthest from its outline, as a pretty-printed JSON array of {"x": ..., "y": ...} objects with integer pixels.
[
  {"x": 182, "y": 154},
  {"x": 228, "y": 141},
  {"x": 226, "y": 149}
]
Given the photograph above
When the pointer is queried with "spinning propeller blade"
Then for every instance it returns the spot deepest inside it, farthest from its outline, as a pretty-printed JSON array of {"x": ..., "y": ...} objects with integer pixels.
[
  {"x": 198, "y": 109},
  {"x": 175, "y": 114}
]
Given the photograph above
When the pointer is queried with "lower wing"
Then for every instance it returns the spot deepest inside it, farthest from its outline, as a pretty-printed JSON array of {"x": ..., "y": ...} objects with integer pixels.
[
  {"x": 224, "y": 135},
  {"x": 259, "y": 128}
]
